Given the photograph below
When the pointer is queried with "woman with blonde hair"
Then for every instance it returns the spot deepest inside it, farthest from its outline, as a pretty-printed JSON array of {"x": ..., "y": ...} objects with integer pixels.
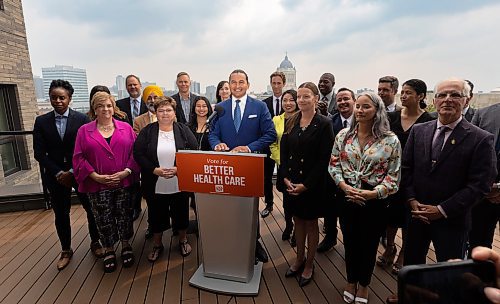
[
  {"x": 104, "y": 168},
  {"x": 304, "y": 154}
]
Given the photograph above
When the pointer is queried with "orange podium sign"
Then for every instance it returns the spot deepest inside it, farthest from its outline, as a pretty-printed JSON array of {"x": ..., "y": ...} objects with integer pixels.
[{"x": 238, "y": 174}]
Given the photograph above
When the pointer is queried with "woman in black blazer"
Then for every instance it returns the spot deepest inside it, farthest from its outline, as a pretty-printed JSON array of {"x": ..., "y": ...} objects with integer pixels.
[
  {"x": 154, "y": 151},
  {"x": 305, "y": 153}
]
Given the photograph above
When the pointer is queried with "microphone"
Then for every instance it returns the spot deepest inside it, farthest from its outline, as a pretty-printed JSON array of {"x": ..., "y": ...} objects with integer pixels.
[{"x": 218, "y": 111}]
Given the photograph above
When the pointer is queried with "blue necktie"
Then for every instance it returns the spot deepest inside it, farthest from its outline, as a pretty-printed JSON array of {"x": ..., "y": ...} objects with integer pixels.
[
  {"x": 237, "y": 115},
  {"x": 135, "y": 112}
]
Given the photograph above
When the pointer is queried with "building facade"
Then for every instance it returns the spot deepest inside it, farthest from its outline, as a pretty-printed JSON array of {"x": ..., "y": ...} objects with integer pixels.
[
  {"x": 78, "y": 79},
  {"x": 18, "y": 106},
  {"x": 288, "y": 69}
]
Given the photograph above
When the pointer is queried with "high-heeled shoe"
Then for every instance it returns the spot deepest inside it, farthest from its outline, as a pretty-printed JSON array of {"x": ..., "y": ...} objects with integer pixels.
[
  {"x": 292, "y": 273},
  {"x": 304, "y": 281},
  {"x": 387, "y": 258}
]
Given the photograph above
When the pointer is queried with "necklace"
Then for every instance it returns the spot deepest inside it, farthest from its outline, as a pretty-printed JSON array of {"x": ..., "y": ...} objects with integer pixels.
[{"x": 106, "y": 128}]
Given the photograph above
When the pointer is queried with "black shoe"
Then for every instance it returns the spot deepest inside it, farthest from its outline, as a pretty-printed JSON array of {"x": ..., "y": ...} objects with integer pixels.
[
  {"x": 149, "y": 233},
  {"x": 304, "y": 281},
  {"x": 265, "y": 213},
  {"x": 326, "y": 244},
  {"x": 291, "y": 273},
  {"x": 136, "y": 214},
  {"x": 286, "y": 234},
  {"x": 260, "y": 253}
]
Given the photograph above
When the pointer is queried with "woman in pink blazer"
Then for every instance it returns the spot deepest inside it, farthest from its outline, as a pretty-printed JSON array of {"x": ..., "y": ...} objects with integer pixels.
[{"x": 105, "y": 169}]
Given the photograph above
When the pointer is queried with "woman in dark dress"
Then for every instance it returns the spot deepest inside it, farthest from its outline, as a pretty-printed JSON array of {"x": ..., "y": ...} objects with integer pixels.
[
  {"x": 305, "y": 153},
  {"x": 200, "y": 111},
  {"x": 413, "y": 112}
]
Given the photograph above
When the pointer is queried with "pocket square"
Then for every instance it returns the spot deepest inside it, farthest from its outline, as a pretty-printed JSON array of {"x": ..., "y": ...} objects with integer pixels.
[{"x": 252, "y": 116}]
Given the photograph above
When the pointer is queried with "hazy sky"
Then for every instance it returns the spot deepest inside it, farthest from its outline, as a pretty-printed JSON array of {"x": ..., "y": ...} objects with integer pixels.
[{"x": 357, "y": 41}]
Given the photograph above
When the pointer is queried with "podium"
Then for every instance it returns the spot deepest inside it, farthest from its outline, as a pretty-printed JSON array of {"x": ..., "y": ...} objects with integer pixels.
[{"x": 227, "y": 188}]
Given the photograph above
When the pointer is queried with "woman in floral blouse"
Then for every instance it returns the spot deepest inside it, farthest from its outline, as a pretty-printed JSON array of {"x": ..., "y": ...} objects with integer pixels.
[{"x": 365, "y": 165}]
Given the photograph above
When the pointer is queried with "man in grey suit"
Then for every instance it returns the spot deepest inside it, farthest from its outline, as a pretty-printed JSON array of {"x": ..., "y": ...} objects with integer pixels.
[
  {"x": 486, "y": 213},
  {"x": 448, "y": 164},
  {"x": 184, "y": 98}
]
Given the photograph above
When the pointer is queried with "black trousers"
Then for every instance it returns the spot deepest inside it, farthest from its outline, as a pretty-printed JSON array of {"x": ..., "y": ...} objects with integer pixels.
[
  {"x": 331, "y": 218},
  {"x": 60, "y": 198},
  {"x": 169, "y": 210},
  {"x": 449, "y": 241},
  {"x": 269, "y": 165},
  {"x": 485, "y": 217},
  {"x": 361, "y": 227}
]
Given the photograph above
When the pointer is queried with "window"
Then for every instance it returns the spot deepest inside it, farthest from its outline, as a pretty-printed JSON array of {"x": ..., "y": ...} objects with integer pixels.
[{"x": 12, "y": 148}]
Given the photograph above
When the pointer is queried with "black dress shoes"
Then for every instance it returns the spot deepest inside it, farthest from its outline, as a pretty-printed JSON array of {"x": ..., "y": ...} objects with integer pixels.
[
  {"x": 260, "y": 253},
  {"x": 304, "y": 281},
  {"x": 292, "y": 273},
  {"x": 265, "y": 213},
  {"x": 286, "y": 234},
  {"x": 326, "y": 244}
]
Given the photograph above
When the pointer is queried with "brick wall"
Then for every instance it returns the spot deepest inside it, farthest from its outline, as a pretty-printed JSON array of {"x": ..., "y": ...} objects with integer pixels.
[{"x": 15, "y": 69}]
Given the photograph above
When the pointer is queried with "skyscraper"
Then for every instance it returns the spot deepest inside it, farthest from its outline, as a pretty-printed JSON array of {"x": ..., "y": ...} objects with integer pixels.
[
  {"x": 38, "y": 88},
  {"x": 78, "y": 79},
  {"x": 195, "y": 87},
  {"x": 210, "y": 93},
  {"x": 121, "y": 89},
  {"x": 288, "y": 69}
]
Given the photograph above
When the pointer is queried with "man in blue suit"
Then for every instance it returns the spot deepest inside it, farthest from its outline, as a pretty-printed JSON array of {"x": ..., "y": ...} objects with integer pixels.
[
  {"x": 448, "y": 164},
  {"x": 245, "y": 126}
]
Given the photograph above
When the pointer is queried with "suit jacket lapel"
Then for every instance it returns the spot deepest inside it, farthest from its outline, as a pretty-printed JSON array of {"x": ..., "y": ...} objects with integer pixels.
[
  {"x": 428, "y": 136},
  {"x": 52, "y": 127},
  {"x": 456, "y": 137}
]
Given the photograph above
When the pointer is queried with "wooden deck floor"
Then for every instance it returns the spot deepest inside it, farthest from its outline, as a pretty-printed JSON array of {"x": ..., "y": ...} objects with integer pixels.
[{"x": 29, "y": 250}]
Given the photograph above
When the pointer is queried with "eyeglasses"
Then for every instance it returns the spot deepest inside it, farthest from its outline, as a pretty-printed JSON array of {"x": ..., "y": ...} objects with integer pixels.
[{"x": 455, "y": 96}]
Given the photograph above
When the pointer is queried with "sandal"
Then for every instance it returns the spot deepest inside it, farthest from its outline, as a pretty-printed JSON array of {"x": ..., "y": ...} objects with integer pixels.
[
  {"x": 127, "y": 256},
  {"x": 155, "y": 254},
  {"x": 387, "y": 258},
  {"x": 109, "y": 262},
  {"x": 348, "y": 297},
  {"x": 185, "y": 248},
  {"x": 360, "y": 300}
]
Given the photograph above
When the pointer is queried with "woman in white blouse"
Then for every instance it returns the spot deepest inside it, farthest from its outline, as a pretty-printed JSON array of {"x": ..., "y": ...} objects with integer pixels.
[
  {"x": 365, "y": 165},
  {"x": 154, "y": 151}
]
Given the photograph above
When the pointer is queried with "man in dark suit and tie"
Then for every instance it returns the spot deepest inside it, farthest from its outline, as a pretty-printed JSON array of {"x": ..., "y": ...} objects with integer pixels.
[
  {"x": 54, "y": 136},
  {"x": 327, "y": 104},
  {"x": 387, "y": 90},
  {"x": 133, "y": 106},
  {"x": 246, "y": 126},
  {"x": 184, "y": 98},
  {"x": 278, "y": 81},
  {"x": 447, "y": 166},
  {"x": 486, "y": 213},
  {"x": 468, "y": 111},
  {"x": 340, "y": 120}
]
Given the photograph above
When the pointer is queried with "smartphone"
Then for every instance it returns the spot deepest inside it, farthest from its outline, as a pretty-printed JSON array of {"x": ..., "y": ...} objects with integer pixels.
[{"x": 446, "y": 282}]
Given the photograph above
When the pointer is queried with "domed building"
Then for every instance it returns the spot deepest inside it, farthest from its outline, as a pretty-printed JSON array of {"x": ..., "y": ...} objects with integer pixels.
[{"x": 287, "y": 68}]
